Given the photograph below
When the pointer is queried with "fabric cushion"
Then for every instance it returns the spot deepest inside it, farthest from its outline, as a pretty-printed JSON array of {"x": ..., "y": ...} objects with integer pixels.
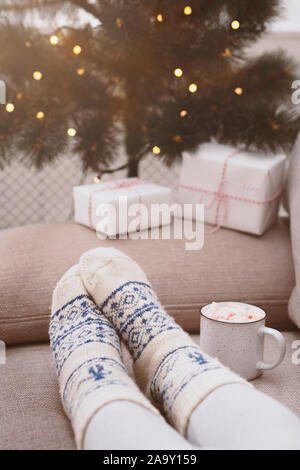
[
  {"x": 231, "y": 266},
  {"x": 293, "y": 200},
  {"x": 32, "y": 417}
]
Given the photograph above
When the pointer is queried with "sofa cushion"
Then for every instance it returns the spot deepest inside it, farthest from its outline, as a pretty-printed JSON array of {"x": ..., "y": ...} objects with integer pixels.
[
  {"x": 32, "y": 417},
  {"x": 231, "y": 266},
  {"x": 293, "y": 200}
]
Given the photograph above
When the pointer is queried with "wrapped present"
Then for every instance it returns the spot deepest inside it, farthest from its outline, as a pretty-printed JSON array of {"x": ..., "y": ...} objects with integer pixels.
[
  {"x": 120, "y": 206},
  {"x": 240, "y": 190}
]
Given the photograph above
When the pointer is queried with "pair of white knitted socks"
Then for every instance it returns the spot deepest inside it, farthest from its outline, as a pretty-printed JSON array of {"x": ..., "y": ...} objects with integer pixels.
[{"x": 107, "y": 297}]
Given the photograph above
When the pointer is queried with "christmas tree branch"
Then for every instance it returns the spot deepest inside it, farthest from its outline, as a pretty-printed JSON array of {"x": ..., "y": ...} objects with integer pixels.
[
  {"x": 29, "y": 4},
  {"x": 110, "y": 171},
  {"x": 88, "y": 7}
]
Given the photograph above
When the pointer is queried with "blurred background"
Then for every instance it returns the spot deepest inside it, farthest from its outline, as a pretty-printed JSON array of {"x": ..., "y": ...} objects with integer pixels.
[{"x": 31, "y": 196}]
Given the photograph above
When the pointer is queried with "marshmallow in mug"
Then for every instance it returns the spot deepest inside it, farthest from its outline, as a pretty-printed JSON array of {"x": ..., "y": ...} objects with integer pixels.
[{"x": 233, "y": 312}]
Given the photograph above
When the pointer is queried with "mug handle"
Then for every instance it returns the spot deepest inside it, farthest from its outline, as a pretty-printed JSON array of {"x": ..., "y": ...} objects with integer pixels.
[{"x": 264, "y": 330}]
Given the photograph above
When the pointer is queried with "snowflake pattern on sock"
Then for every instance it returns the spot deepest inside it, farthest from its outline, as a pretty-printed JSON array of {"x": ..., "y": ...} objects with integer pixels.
[
  {"x": 167, "y": 385},
  {"x": 77, "y": 323},
  {"x": 138, "y": 316}
]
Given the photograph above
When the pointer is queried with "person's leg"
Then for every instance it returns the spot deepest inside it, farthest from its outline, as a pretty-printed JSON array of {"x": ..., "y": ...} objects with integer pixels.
[
  {"x": 127, "y": 426},
  {"x": 236, "y": 417},
  {"x": 200, "y": 397},
  {"x": 169, "y": 367},
  {"x": 87, "y": 354}
]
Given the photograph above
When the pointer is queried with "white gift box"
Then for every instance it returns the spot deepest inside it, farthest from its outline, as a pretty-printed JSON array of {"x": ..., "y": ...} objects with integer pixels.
[
  {"x": 240, "y": 190},
  {"x": 120, "y": 206}
]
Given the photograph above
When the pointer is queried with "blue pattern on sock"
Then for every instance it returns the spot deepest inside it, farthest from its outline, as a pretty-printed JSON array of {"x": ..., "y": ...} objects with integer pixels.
[
  {"x": 98, "y": 372},
  {"x": 166, "y": 385},
  {"x": 77, "y": 323},
  {"x": 138, "y": 316},
  {"x": 95, "y": 373}
]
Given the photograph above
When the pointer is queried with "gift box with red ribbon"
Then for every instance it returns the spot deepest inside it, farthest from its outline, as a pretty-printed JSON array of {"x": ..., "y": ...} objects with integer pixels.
[
  {"x": 239, "y": 189},
  {"x": 121, "y": 206}
]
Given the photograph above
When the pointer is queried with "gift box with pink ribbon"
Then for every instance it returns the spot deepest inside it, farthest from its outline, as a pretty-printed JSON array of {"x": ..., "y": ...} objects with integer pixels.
[
  {"x": 120, "y": 206},
  {"x": 240, "y": 190}
]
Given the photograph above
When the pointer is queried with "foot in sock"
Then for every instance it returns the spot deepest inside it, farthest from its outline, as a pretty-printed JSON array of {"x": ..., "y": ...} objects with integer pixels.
[
  {"x": 87, "y": 354},
  {"x": 169, "y": 367}
]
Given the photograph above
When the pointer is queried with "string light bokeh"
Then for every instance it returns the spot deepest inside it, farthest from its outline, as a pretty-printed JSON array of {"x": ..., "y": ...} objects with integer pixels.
[{"x": 192, "y": 87}]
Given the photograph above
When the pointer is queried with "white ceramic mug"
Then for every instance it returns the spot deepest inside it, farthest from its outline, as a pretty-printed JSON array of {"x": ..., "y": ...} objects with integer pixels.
[{"x": 239, "y": 346}]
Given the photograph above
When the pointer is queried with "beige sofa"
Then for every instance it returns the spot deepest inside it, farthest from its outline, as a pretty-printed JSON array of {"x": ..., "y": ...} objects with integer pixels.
[{"x": 231, "y": 266}]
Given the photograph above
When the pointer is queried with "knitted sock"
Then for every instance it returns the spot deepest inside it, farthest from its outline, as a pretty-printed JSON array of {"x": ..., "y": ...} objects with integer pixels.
[
  {"x": 87, "y": 354},
  {"x": 168, "y": 365}
]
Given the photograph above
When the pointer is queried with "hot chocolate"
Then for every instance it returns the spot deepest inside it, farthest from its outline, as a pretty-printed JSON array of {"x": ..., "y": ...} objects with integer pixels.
[{"x": 234, "y": 312}]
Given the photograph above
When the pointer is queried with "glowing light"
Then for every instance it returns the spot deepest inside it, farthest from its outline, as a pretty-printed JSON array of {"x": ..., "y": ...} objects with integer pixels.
[
  {"x": 238, "y": 90},
  {"x": 156, "y": 150},
  {"x": 235, "y": 24},
  {"x": 183, "y": 113},
  {"x": 193, "y": 88},
  {"x": 178, "y": 72},
  {"x": 160, "y": 18},
  {"x": 19, "y": 96},
  {"x": 77, "y": 50},
  {"x": 226, "y": 53},
  {"x": 53, "y": 40},
  {"x": 274, "y": 126},
  {"x": 80, "y": 72},
  {"x": 119, "y": 22},
  {"x": 37, "y": 75},
  {"x": 96, "y": 179},
  {"x": 72, "y": 132},
  {"x": 40, "y": 115},
  {"x": 28, "y": 44},
  {"x": 10, "y": 108},
  {"x": 188, "y": 10}
]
